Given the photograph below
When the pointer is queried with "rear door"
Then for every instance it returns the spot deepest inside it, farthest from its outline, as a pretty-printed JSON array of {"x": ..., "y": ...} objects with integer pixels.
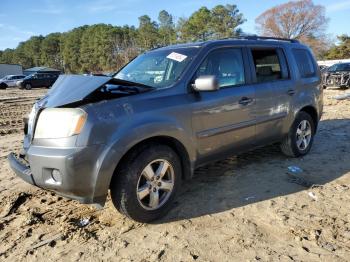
[
  {"x": 222, "y": 120},
  {"x": 274, "y": 91}
]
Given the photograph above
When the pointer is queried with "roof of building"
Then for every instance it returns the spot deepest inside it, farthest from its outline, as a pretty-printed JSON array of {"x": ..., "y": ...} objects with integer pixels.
[{"x": 10, "y": 64}]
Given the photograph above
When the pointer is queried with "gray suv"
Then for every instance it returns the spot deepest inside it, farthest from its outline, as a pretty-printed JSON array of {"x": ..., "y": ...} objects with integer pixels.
[{"x": 142, "y": 131}]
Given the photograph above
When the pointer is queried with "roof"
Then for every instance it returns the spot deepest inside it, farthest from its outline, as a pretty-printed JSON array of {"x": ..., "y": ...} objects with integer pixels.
[
  {"x": 235, "y": 40},
  {"x": 15, "y": 75},
  {"x": 42, "y": 68}
]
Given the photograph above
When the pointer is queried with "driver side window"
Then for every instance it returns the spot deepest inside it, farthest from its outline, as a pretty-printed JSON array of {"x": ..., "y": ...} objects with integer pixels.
[{"x": 226, "y": 65}]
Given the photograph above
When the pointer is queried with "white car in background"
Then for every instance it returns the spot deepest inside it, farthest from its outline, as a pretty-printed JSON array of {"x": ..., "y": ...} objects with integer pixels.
[{"x": 10, "y": 81}]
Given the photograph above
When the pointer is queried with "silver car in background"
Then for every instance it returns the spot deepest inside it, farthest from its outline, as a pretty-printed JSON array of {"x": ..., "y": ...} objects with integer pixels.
[{"x": 10, "y": 81}]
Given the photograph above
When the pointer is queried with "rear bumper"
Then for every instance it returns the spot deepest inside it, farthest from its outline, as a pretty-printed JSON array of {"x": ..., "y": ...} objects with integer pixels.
[{"x": 70, "y": 172}]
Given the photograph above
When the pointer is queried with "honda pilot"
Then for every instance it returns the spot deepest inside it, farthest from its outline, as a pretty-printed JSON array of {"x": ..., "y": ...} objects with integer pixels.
[{"x": 141, "y": 132}]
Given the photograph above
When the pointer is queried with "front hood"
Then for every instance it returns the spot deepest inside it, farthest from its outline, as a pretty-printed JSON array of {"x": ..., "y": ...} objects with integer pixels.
[{"x": 70, "y": 89}]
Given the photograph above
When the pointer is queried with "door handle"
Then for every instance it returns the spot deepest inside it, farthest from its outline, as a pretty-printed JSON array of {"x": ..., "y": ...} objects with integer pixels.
[
  {"x": 245, "y": 101},
  {"x": 291, "y": 92}
]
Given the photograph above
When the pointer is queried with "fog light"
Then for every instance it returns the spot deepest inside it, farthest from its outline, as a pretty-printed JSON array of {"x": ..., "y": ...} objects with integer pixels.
[{"x": 56, "y": 175}]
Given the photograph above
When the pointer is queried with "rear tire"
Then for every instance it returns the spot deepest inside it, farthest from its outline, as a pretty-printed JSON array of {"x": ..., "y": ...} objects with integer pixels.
[
  {"x": 3, "y": 86},
  {"x": 298, "y": 142},
  {"x": 139, "y": 189}
]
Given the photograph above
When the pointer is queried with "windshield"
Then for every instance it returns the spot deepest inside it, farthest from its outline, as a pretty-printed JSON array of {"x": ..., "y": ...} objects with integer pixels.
[
  {"x": 339, "y": 67},
  {"x": 159, "y": 68},
  {"x": 29, "y": 76}
]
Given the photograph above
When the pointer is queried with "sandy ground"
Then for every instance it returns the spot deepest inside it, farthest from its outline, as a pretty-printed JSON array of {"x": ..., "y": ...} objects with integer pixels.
[{"x": 242, "y": 208}]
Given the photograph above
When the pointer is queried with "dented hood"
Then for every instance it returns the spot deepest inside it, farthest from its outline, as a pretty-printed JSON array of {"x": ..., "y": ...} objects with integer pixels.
[{"x": 71, "y": 89}]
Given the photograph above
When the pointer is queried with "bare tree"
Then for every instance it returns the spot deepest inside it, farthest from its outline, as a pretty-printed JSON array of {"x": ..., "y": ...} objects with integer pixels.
[
  {"x": 295, "y": 19},
  {"x": 302, "y": 20}
]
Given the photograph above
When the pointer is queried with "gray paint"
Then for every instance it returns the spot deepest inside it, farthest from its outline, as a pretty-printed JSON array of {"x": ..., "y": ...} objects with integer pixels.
[
  {"x": 208, "y": 125},
  {"x": 73, "y": 88}
]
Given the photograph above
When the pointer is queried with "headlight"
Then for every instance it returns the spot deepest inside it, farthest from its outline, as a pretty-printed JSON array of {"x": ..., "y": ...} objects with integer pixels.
[
  {"x": 31, "y": 117},
  {"x": 60, "y": 122}
]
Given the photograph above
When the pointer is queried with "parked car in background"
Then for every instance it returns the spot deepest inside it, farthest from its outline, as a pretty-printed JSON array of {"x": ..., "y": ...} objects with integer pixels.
[
  {"x": 337, "y": 75},
  {"x": 143, "y": 131},
  {"x": 38, "y": 80},
  {"x": 10, "y": 81}
]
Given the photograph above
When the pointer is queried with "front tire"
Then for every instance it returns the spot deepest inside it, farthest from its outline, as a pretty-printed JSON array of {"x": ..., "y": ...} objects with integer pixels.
[
  {"x": 28, "y": 86},
  {"x": 299, "y": 140},
  {"x": 145, "y": 185}
]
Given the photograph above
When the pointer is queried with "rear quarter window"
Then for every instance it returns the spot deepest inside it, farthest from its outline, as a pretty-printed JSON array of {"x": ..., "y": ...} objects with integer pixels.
[{"x": 304, "y": 62}]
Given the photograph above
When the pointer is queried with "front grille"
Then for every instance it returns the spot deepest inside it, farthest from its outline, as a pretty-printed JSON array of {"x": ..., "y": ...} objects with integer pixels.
[{"x": 337, "y": 79}]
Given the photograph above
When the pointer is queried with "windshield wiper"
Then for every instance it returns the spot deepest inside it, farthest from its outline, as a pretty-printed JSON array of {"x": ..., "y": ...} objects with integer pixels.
[{"x": 130, "y": 83}]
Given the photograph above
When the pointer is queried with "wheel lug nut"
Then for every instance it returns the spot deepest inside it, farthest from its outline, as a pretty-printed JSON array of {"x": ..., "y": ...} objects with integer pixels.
[
  {"x": 158, "y": 177},
  {"x": 154, "y": 189},
  {"x": 150, "y": 186},
  {"x": 159, "y": 184}
]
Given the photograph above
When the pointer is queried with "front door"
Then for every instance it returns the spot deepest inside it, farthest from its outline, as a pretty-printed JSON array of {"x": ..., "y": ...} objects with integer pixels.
[{"x": 222, "y": 119}]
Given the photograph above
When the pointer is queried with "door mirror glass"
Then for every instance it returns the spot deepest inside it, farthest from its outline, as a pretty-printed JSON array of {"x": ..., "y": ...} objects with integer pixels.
[{"x": 206, "y": 83}]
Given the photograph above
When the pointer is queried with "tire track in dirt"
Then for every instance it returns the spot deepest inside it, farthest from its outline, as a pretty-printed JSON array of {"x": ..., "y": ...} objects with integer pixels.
[{"x": 13, "y": 108}]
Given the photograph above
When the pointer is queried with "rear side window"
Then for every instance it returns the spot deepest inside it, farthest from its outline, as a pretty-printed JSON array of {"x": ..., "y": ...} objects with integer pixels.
[
  {"x": 270, "y": 65},
  {"x": 304, "y": 62},
  {"x": 226, "y": 64}
]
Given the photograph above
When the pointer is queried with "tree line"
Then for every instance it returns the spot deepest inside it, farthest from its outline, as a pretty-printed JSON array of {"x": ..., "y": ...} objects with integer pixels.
[{"x": 106, "y": 48}]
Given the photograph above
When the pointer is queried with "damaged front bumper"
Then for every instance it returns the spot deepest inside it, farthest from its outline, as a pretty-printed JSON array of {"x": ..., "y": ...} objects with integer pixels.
[
  {"x": 21, "y": 168},
  {"x": 70, "y": 172},
  {"x": 336, "y": 79}
]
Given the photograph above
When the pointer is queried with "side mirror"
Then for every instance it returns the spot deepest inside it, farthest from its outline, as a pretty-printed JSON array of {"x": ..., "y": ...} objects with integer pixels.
[{"x": 206, "y": 83}]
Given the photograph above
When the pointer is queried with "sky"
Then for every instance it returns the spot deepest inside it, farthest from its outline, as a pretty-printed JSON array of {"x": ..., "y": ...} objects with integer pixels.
[{"x": 21, "y": 19}]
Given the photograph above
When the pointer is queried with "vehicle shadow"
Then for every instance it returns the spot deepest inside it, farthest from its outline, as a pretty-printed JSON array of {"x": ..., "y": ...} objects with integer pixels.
[{"x": 262, "y": 174}]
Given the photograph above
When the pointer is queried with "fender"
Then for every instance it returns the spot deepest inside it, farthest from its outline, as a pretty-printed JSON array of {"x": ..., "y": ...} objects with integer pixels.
[
  {"x": 307, "y": 99},
  {"x": 129, "y": 136}
]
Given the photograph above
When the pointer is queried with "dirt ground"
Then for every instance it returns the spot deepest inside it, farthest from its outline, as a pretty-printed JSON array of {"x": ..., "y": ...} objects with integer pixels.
[{"x": 243, "y": 208}]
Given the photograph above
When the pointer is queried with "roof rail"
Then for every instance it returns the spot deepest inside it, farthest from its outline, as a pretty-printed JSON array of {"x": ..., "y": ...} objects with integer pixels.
[{"x": 256, "y": 37}]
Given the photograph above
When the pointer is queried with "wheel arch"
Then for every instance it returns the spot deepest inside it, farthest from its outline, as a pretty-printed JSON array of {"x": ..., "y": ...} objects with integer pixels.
[
  {"x": 312, "y": 112},
  {"x": 113, "y": 157},
  {"x": 3, "y": 85},
  {"x": 172, "y": 142}
]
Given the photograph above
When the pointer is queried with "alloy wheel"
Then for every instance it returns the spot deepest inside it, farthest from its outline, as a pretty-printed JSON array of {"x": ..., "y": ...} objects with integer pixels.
[
  {"x": 155, "y": 184},
  {"x": 303, "y": 135}
]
